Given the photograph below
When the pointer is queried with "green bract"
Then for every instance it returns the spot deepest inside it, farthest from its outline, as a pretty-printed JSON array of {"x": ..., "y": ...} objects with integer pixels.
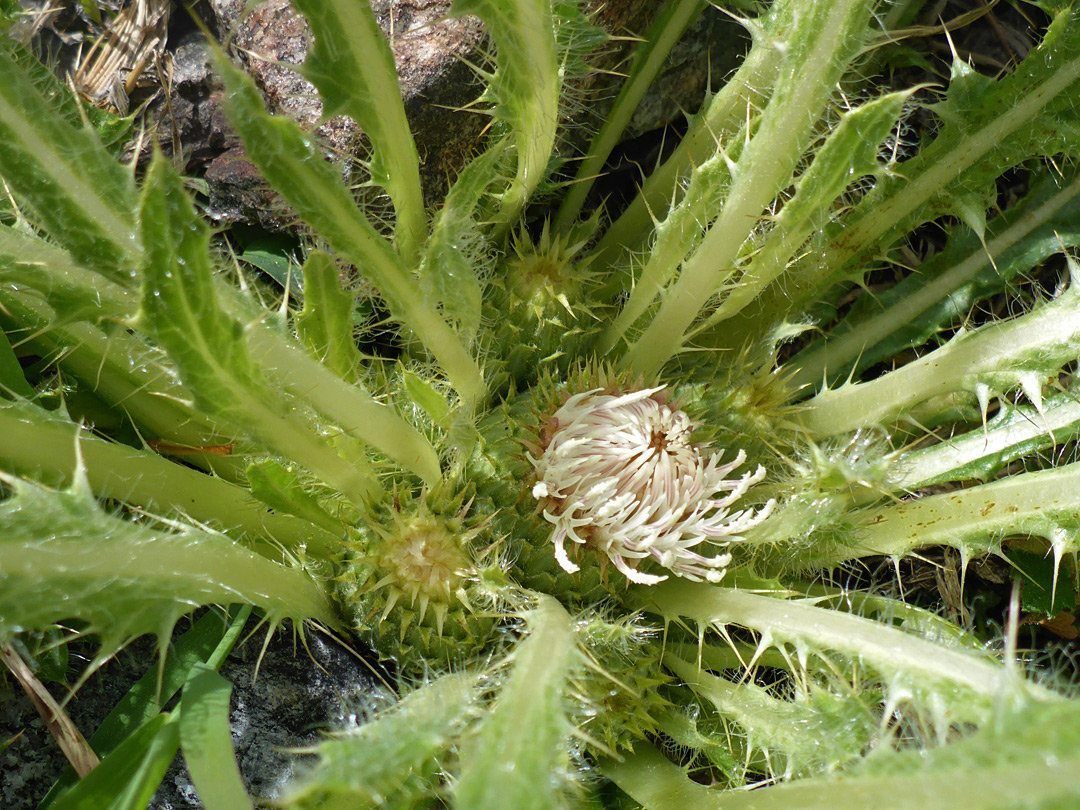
[{"x": 587, "y": 508}]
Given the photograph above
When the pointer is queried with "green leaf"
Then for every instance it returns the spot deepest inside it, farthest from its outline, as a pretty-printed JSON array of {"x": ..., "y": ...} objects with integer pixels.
[
  {"x": 128, "y": 778},
  {"x": 206, "y": 741},
  {"x": 1015, "y": 432},
  {"x": 1026, "y": 758},
  {"x": 520, "y": 755},
  {"x": 430, "y": 400},
  {"x": 456, "y": 250},
  {"x": 112, "y": 130},
  {"x": 1007, "y": 355},
  {"x": 12, "y": 379},
  {"x": 948, "y": 285},
  {"x": 849, "y": 153},
  {"x": 281, "y": 489},
  {"x": 325, "y": 324},
  {"x": 62, "y": 557},
  {"x": 821, "y": 45},
  {"x": 719, "y": 127},
  {"x": 1041, "y": 504},
  {"x": 352, "y": 65},
  {"x": 50, "y": 448},
  {"x": 1029, "y": 113},
  {"x": 270, "y": 258},
  {"x": 394, "y": 757},
  {"x": 1044, "y": 589},
  {"x": 889, "y": 650},
  {"x": 289, "y": 159},
  {"x": 180, "y": 310},
  {"x": 73, "y": 292},
  {"x": 650, "y": 55},
  {"x": 209, "y": 639},
  {"x": 524, "y": 87},
  {"x": 76, "y": 189}
]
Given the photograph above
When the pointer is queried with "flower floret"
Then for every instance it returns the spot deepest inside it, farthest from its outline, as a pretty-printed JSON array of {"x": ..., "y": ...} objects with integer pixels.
[{"x": 620, "y": 474}]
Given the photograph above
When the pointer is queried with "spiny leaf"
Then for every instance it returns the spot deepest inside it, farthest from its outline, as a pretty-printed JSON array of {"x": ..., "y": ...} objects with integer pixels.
[
  {"x": 455, "y": 252},
  {"x": 77, "y": 190},
  {"x": 1042, "y": 504},
  {"x": 1029, "y": 113},
  {"x": 63, "y": 557},
  {"x": 524, "y": 86},
  {"x": 290, "y": 161},
  {"x": 820, "y": 47},
  {"x": 1027, "y": 758},
  {"x": 392, "y": 759},
  {"x": 180, "y": 310},
  {"x": 47, "y": 446},
  {"x": 1020, "y": 353},
  {"x": 519, "y": 757},
  {"x": 352, "y": 65},
  {"x": 849, "y": 153},
  {"x": 111, "y": 129},
  {"x": 1016, "y": 431},
  {"x": 946, "y": 286}
]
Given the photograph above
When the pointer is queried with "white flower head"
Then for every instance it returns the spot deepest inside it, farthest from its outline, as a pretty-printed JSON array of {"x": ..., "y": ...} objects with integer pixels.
[{"x": 620, "y": 474}]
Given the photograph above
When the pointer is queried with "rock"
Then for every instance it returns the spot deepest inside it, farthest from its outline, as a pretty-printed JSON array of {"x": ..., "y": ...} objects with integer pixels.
[
  {"x": 298, "y": 695},
  {"x": 432, "y": 54}
]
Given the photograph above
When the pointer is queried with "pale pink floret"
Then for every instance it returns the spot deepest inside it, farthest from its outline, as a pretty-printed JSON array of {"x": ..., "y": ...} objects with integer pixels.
[{"x": 622, "y": 469}]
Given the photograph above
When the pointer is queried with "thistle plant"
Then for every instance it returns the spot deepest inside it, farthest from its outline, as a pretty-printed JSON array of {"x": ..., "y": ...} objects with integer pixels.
[{"x": 589, "y": 509}]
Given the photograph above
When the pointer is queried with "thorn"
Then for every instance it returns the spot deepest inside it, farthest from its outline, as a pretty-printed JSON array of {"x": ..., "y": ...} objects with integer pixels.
[
  {"x": 1058, "y": 542},
  {"x": 982, "y": 393}
]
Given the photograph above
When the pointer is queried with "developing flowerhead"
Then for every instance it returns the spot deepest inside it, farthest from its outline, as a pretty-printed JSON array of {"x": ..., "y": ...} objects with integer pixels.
[{"x": 620, "y": 474}]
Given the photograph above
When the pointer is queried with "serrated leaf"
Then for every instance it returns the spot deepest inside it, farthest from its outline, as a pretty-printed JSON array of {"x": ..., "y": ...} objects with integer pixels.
[
  {"x": 948, "y": 285},
  {"x": 206, "y": 741},
  {"x": 519, "y": 757},
  {"x": 849, "y": 153},
  {"x": 76, "y": 189},
  {"x": 524, "y": 87},
  {"x": 1026, "y": 758},
  {"x": 352, "y": 65},
  {"x": 63, "y": 557},
  {"x": 819, "y": 49},
  {"x": 325, "y": 324},
  {"x": 288, "y": 158},
  {"x": 1012, "y": 434},
  {"x": 966, "y": 91},
  {"x": 180, "y": 310},
  {"x": 1029, "y": 113},
  {"x": 110, "y": 128},
  {"x": 455, "y": 249},
  {"x": 395, "y": 755},
  {"x": 1001, "y": 356}
]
